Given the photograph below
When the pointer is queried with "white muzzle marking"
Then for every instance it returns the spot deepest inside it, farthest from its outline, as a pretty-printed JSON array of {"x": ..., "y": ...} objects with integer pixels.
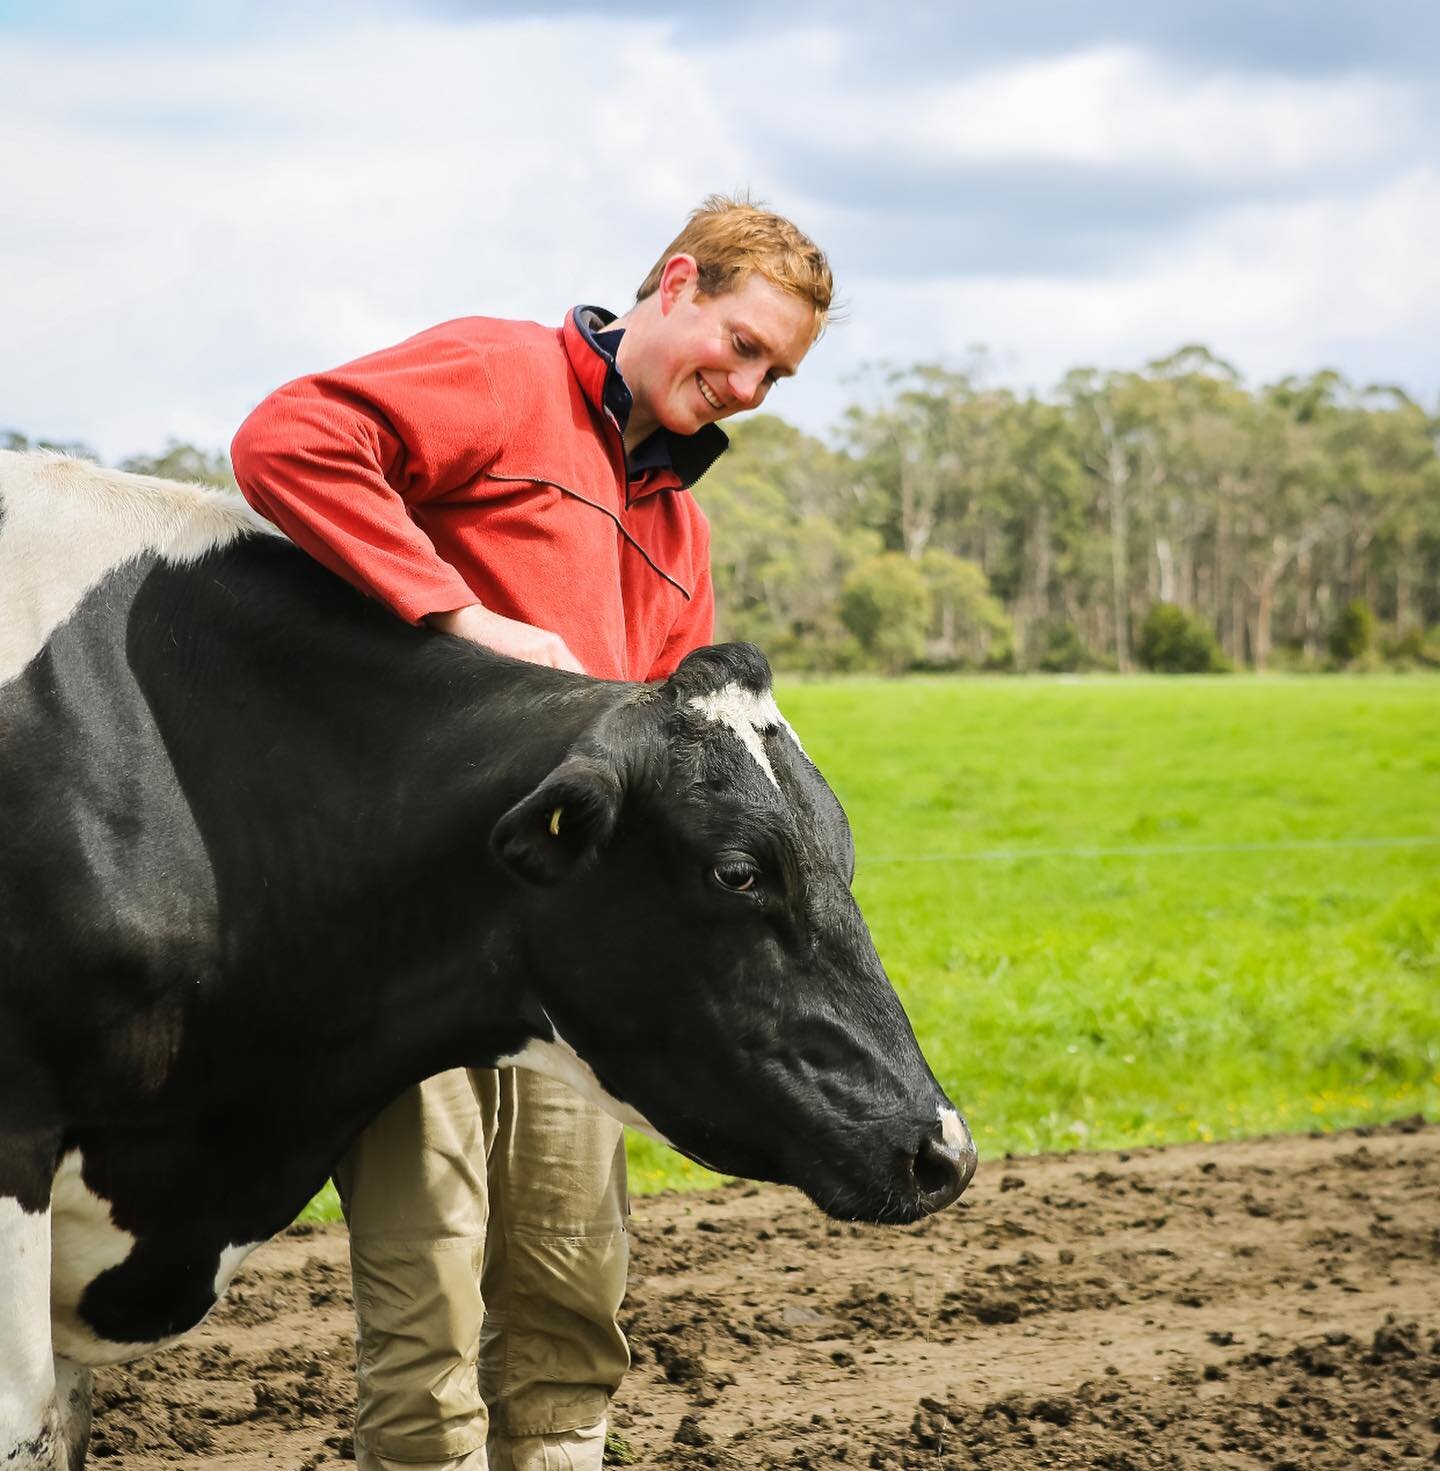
[{"x": 952, "y": 1131}]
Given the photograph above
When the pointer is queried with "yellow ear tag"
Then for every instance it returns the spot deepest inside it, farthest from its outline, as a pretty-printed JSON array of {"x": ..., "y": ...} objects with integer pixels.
[{"x": 555, "y": 822}]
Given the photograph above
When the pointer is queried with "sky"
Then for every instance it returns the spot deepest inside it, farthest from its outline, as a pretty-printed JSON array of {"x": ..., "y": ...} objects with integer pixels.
[{"x": 199, "y": 201}]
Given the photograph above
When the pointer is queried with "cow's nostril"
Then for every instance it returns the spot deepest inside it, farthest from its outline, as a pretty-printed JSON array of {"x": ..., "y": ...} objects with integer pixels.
[{"x": 942, "y": 1171}]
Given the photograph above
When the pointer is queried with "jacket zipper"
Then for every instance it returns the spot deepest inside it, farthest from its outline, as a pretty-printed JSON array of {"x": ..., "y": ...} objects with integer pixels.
[{"x": 624, "y": 531}]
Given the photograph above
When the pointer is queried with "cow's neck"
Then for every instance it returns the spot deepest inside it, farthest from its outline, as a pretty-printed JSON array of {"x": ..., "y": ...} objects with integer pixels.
[{"x": 345, "y": 772}]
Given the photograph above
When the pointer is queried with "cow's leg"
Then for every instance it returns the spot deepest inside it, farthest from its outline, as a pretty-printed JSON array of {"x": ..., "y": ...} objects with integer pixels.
[
  {"x": 32, "y": 1436},
  {"x": 72, "y": 1399}
]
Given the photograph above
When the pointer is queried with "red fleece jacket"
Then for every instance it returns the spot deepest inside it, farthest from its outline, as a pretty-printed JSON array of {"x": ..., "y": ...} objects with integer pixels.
[{"x": 475, "y": 462}]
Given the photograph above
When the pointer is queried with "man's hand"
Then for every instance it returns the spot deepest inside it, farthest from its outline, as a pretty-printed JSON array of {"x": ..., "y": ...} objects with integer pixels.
[{"x": 506, "y": 636}]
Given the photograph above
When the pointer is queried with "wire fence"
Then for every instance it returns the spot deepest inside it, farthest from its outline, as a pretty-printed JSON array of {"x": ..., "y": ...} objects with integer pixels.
[{"x": 1156, "y": 850}]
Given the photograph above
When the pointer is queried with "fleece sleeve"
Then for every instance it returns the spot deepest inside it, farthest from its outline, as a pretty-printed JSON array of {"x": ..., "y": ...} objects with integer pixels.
[{"x": 338, "y": 460}]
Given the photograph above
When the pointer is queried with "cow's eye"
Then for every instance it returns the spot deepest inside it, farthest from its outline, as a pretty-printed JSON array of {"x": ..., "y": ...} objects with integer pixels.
[{"x": 736, "y": 875}]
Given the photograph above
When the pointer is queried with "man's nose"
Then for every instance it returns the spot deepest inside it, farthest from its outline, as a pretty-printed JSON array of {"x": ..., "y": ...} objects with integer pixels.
[{"x": 747, "y": 385}]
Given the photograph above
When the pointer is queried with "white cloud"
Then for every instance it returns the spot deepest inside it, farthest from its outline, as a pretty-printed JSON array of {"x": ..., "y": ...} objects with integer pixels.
[
  {"x": 323, "y": 199},
  {"x": 1101, "y": 107},
  {"x": 187, "y": 225},
  {"x": 1118, "y": 106},
  {"x": 1341, "y": 281}
]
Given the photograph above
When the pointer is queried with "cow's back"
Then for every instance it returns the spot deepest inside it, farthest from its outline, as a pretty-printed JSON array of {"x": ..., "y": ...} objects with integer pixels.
[{"x": 67, "y": 525}]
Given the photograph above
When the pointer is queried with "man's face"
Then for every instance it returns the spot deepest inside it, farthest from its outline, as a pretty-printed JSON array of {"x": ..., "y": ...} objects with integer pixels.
[{"x": 714, "y": 356}]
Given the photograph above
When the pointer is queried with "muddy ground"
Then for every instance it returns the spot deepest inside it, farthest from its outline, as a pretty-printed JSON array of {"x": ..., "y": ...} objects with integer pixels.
[{"x": 1274, "y": 1303}]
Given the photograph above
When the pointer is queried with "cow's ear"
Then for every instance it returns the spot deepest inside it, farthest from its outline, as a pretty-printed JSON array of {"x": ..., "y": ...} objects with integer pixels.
[{"x": 562, "y": 824}]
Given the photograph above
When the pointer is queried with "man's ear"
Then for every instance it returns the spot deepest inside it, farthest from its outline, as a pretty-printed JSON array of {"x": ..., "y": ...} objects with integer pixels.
[
  {"x": 562, "y": 824},
  {"x": 680, "y": 274}
]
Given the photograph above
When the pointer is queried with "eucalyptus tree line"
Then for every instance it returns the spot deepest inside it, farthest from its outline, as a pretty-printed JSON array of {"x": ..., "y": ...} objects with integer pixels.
[{"x": 967, "y": 525}]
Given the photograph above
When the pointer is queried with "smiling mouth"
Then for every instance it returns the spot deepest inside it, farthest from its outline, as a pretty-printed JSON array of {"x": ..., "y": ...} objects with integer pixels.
[{"x": 708, "y": 396}]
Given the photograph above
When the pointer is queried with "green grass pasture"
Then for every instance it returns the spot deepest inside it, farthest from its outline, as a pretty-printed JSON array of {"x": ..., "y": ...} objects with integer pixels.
[{"x": 1131, "y": 911}]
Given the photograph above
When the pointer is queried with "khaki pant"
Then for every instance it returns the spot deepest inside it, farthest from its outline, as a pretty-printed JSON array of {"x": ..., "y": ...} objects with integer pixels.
[{"x": 488, "y": 1248}]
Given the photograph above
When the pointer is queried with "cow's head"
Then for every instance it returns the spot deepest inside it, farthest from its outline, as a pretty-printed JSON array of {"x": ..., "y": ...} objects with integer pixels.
[{"x": 703, "y": 963}]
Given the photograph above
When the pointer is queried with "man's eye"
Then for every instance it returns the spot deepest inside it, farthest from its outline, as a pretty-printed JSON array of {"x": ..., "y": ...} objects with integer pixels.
[
  {"x": 736, "y": 877},
  {"x": 744, "y": 347}
]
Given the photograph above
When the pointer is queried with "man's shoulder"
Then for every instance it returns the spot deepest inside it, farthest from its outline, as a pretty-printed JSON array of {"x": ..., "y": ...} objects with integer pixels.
[
  {"x": 493, "y": 335},
  {"x": 493, "y": 349},
  {"x": 524, "y": 363}
]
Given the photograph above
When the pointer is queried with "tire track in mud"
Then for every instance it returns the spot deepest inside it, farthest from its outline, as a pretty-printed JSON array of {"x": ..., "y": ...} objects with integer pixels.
[{"x": 1270, "y": 1303}]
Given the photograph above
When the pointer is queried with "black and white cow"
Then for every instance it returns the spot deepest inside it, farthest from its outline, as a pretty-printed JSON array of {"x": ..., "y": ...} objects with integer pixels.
[{"x": 268, "y": 856}]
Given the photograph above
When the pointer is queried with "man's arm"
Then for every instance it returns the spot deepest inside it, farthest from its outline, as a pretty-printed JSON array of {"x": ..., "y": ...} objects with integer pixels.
[
  {"x": 336, "y": 461},
  {"x": 520, "y": 640}
]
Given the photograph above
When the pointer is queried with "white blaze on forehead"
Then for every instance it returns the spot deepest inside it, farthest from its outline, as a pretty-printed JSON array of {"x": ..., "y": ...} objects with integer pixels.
[
  {"x": 559, "y": 1060},
  {"x": 747, "y": 715},
  {"x": 65, "y": 524},
  {"x": 27, "y": 1370}
]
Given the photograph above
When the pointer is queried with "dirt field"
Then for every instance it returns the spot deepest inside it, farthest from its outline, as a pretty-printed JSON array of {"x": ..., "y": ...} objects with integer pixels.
[{"x": 1267, "y": 1304}]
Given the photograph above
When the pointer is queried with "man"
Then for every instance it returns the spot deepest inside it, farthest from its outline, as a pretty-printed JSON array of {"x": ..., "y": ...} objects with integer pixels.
[{"x": 528, "y": 489}]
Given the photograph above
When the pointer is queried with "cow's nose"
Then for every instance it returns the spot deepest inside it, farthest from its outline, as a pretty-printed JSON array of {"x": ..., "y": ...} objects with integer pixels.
[{"x": 945, "y": 1164}]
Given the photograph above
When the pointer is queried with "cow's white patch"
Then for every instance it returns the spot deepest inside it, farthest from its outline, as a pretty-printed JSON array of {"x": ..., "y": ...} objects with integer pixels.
[
  {"x": 747, "y": 715},
  {"x": 27, "y": 1370},
  {"x": 559, "y": 1060},
  {"x": 230, "y": 1260},
  {"x": 86, "y": 1242},
  {"x": 92, "y": 1243},
  {"x": 65, "y": 523},
  {"x": 72, "y": 1402}
]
